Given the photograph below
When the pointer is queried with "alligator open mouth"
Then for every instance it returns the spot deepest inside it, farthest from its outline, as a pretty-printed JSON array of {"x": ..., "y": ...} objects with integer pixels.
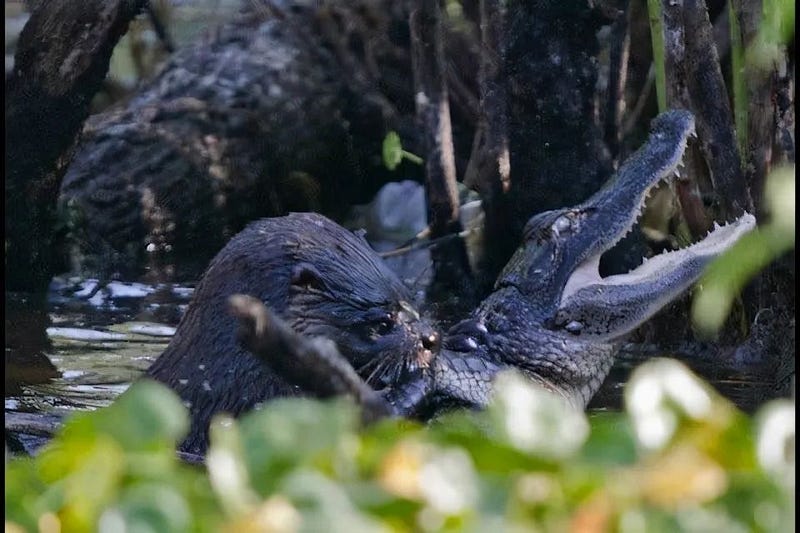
[
  {"x": 591, "y": 305},
  {"x": 587, "y": 274}
]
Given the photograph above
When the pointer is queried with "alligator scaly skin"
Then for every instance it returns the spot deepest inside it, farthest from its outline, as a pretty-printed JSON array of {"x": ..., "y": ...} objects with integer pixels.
[{"x": 550, "y": 315}]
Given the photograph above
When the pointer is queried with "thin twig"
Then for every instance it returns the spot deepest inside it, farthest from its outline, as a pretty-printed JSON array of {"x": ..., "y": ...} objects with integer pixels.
[{"x": 417, "y": 244}]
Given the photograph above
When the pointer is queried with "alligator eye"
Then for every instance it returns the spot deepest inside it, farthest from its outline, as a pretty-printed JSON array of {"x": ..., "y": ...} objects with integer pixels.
[{"x": 574, "y": 327}]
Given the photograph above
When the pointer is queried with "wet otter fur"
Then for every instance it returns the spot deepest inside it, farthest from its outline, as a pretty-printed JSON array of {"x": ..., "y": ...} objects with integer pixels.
[{"x": 319, "y": 277}]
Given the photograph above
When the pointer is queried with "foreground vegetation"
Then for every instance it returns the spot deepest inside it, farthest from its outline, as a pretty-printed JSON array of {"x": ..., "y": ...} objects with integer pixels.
[{"x": 678, "y": 458}]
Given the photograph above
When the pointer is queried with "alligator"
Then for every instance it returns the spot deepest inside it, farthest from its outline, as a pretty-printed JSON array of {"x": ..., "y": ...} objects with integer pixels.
[{"x": 551, "y": 315}]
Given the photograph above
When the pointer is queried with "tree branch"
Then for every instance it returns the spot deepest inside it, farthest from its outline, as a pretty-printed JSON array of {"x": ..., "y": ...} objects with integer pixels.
[
  {"x": 450, "y": 262},
  {"x": 315, "y": 365},
  {"x": 694, "y": 178},
  {"x": 712, "y": 109}
]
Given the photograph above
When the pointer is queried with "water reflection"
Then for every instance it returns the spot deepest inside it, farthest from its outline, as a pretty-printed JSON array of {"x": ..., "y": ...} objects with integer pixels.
[
  {"x": 26, "y": 344},
  {"x": 95, "y": 339},
  {"x": 90, "y": 344}
]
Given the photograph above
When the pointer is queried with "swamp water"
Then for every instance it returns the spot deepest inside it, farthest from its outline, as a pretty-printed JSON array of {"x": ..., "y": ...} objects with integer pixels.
[
  {"x": 101, "y": 340},
  {"x": 100, "y": 337},
  {"x": 103, "y": 337}
]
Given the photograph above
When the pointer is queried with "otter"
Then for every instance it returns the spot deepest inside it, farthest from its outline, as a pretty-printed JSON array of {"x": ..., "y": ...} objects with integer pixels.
[{"x": 323, "y": 280}]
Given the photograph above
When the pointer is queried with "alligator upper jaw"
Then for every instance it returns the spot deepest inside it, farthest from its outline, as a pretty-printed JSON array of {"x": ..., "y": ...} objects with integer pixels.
[
  {"x": 613, "y": 210},
  {"x": 590, "y": 306},
  {"x": 611, "y": 213}
]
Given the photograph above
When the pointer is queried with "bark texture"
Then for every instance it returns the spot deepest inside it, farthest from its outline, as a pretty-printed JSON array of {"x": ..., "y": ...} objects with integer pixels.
[
  {"x": 280, "y": 110},
  {"x": 61, "y": 60},
  {"x": 556, "y": 151},
  {"x": 451, "y": 272},
  {"x": 489, "y": 169}
]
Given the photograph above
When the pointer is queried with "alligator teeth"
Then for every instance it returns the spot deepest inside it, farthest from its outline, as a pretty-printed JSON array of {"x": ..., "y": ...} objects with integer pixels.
[{"x": 717, "y": 241}]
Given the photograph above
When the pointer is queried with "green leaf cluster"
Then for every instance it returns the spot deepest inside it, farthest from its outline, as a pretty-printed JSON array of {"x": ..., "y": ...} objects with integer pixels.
[{"x": 679, "y": 458}]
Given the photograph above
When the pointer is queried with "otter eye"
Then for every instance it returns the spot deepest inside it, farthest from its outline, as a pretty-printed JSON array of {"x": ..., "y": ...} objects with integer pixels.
[
  {"x": 379, "y": 322},
  {"x": 384, "y": 327}
]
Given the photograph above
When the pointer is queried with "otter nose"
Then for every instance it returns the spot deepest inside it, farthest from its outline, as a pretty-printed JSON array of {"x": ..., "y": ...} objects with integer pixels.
[{"x": 431, "y": 340}]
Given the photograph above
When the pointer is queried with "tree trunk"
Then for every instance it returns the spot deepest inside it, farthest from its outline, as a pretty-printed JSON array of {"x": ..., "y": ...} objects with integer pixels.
[
  {"x": 556, "y": 148},
  {"x": 61, "y": 60},
  {"x": 451, "y": 271}
]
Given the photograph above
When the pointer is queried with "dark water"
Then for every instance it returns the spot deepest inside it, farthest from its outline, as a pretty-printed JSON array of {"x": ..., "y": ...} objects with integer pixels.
[
  {"x": 101, "y": 338},
  {"x": 748, "y": 384},
  {"x": 98, "y": 340}
]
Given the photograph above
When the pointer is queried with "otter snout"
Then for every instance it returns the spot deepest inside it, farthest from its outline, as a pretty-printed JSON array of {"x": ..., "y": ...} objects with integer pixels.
[{"x": 429, "y": 343}]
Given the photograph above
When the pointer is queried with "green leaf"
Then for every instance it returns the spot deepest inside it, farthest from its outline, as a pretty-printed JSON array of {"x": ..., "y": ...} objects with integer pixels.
[
  {"x": 147, "y": 507},
  {"x": 392, "y": 150},
  {"x": 325, "y": 505},
  {"x": 526, "y": 464},
  {"x": 153, "y": 415},
  {"x": 777, "y": 25},
  {"x": 611, "y": 440},
  {"x": 726, "y": 276},
  {"x": 655, "y": 16},
  {"x": 534, "y": 420},
  {"x": 776, "y": 440},
  {"x": 295, "y": 431},
  {"x": 662, "y": 395}
]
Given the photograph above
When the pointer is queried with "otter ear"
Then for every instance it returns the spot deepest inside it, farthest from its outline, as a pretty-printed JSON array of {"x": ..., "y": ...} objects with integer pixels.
[{"x": 306, "y": 276}]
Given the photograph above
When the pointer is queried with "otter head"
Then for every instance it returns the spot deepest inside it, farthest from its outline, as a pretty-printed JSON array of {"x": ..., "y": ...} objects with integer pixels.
[{"x": 342, "y": 290}]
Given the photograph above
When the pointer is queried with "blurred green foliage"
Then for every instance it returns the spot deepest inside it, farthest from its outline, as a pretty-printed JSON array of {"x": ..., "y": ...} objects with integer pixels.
[
  {"x": 776, "y": 30},
  {"x": 753, "y": 63},
  {"x": 654, "y": 15},
  {"x": 679, "y": 458},
  {"x": 725, "y": 278}
]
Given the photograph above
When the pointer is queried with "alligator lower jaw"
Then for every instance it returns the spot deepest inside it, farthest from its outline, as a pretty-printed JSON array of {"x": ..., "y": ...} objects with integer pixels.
[
  {"x": 607, "y": 309},
  {"x": 587, "y": 273},
  {"x": 660, "y": 266}
]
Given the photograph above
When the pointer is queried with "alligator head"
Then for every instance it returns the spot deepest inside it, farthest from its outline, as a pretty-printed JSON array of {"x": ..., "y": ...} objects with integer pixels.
[{"x": 551, "y": 315}]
